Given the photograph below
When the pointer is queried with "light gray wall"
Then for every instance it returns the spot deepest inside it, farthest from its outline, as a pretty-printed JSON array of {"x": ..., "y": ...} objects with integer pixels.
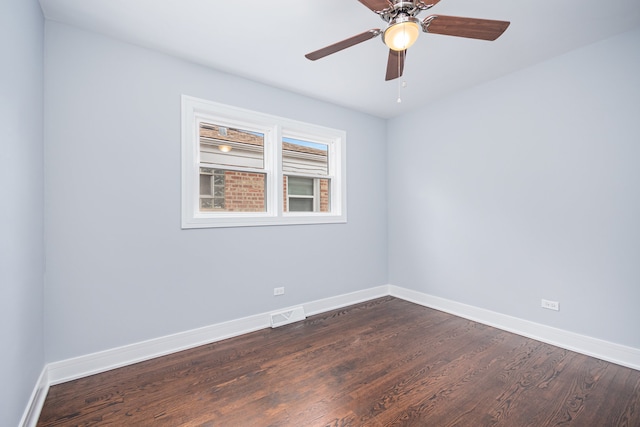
[
  {"x": 21, "y": 197},
  {"x": 528, "y": 187},
  {"x": 120, "y": 269}
]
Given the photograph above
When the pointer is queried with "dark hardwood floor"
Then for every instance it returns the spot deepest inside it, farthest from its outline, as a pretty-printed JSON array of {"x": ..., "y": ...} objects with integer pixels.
[{"x": 386, "y": 362}]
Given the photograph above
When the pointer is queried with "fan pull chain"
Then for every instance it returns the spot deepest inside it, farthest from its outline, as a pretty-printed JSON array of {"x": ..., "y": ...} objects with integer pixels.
[{"x": 403, "y": 83}]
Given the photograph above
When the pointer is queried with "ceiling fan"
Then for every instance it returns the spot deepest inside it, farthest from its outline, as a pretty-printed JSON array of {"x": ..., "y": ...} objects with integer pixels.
[{"x": 403, "y": 28}]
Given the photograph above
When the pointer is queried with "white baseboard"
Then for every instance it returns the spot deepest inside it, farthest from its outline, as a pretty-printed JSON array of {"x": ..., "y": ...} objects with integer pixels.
[
  {"x": 89, "y": 364},
  {"x": 605, "y": 350},
  {"x": 36, "y": 401},
  {"x": 82, "y": 366},
  {"x": 78, "y": 367},
  {"x": 332, "y": 303}
]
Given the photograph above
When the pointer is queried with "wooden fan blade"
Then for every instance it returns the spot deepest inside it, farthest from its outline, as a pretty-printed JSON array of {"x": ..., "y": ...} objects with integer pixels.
[
  {"x": 377, "y": 5},
  {"x": 472, "y": 28},
  {"x": 395, "y": 64},
  {"x": 351, "y": 41}
]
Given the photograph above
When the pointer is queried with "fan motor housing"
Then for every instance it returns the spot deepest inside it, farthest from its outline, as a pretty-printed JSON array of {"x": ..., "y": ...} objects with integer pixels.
[{"x": 399, "y": 9}]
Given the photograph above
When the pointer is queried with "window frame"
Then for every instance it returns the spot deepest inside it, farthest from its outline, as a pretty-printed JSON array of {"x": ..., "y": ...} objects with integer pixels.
[{"x": 274, "y": 128}]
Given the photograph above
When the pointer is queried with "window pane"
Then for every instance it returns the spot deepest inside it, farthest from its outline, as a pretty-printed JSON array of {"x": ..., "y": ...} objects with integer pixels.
[
  {"x": 304, "y": 157},
  {"x": 300, "y": 205},
  {"x": 233, "y": 147},
  {"x": 205, "y": 185},
  {"x": 300, "y": 186},
  {"x": 233, "y": 191}
]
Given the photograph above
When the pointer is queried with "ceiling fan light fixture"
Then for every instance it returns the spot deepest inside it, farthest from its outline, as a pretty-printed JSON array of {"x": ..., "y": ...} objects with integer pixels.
[{"x": 401, "y": 33}]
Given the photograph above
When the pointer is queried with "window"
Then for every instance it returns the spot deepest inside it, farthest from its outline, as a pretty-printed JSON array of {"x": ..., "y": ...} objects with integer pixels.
[
  {"x": 306, "y": 181},
  {"x": 243, "y": 168},
  {"x": 237, "y": 184}
]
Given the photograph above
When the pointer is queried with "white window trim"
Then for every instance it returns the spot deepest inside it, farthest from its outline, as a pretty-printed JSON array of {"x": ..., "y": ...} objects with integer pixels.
[{"x": 274, "y": 128}]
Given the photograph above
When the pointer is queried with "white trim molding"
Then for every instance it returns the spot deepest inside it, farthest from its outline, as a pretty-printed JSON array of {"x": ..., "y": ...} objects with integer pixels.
[
  {"x": 82, "y": 366},
  {"x": 605, "y": 350},
  {"x": 36, "y": 400},
  {"x": 344, "y": 300},
  {"x": 90, "y": 364},
  {"x": 94, "y": 363}
]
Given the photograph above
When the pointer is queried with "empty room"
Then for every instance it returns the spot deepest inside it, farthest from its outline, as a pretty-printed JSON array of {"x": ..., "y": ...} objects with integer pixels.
[{"x": 320, "y": 213}]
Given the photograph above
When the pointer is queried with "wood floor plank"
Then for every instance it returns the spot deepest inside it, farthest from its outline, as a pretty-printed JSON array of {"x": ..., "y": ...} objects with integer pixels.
[{"x": 385, "y": 362}]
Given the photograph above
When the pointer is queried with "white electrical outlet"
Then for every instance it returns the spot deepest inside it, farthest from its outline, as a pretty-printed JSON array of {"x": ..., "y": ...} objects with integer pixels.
[
  {"x": 550, "y": 305},
  {"x": 278, "y": 291}
]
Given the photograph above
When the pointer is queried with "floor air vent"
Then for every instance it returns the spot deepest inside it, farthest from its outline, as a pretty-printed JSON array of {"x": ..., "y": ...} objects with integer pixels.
[{"x": 288, "y": 316}]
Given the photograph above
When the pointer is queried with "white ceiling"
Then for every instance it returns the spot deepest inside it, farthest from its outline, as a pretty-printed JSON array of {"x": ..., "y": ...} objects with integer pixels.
[{"x": 266, "y": 41}]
